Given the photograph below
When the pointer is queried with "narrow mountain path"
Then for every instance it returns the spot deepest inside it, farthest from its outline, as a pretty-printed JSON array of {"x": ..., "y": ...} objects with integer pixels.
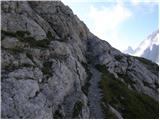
[{"x": 95, "y": 95}]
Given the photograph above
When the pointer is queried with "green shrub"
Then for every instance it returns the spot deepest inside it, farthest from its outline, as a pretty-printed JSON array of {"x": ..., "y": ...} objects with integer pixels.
[
  {"x": 26, "y": 65},
  {"x": 118, "y": 57},
  {"x": 47, "y": 68},
  {"x": 8, "y": 33},
  {"x": 22, "y": 33},
  {"x": 49, "y": 35},
  {"x": 57, "y": 115},
  {"x": 36, "y": 43},
  {"x": 24, "y": 36},
  {"x": 130, "y": 103},
  {"x": 77, "y": 108},
  {"x": 42, "y": 43},
  {"x": 15, "y": 34}
]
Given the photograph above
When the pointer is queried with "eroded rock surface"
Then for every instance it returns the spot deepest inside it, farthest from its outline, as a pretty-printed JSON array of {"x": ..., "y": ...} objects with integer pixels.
[{"x": 45, "y": 53}]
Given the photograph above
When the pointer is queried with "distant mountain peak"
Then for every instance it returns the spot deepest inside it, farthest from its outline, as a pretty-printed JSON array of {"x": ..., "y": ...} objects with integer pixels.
[
  {"x": 129, "y": 50},
  {"x": 148, "y": 48}
]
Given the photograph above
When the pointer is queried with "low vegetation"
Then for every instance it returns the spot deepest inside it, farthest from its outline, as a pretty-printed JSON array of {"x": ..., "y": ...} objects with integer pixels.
[
  {"x": 49, "y": 35},
  {"x": 24, "y": 36},
  {"x": 130, "y": 104},
  {"x": 118, "y": 57},
  {"x": 57, "y": 115},
  {"x": 47, "y": 69},
  {"x": 77, "y": 108}
]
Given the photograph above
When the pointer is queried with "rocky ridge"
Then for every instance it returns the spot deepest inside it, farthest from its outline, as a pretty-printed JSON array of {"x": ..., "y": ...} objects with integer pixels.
[{"x": 46, "y": 56}]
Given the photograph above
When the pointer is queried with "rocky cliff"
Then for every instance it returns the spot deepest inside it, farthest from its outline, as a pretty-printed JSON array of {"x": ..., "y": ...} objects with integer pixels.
[{"x": 47, "y": 59}]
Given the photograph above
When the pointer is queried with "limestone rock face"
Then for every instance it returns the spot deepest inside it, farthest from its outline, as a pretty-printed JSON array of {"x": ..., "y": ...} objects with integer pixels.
[
  {"x": 38, "y": 76},
  {"x": 45, "y": 53},
  {"x": 141, "y": 75}
]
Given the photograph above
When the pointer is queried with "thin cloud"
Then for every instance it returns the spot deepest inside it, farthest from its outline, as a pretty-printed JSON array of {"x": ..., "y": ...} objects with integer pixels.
[
  {"x": 137, "y": 2},
  {"x": 141, "y": 4},
  {"x": 107, "y": 20}
]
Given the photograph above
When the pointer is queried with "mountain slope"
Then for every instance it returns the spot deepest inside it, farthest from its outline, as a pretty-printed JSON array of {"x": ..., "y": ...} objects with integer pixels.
[
  {"x": 48, "y": 56},
  {"x": 149, "y": 48}
]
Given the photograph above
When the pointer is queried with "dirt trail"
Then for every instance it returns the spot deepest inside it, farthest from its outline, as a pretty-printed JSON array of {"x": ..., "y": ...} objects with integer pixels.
[{"x": 95, "y": 95}]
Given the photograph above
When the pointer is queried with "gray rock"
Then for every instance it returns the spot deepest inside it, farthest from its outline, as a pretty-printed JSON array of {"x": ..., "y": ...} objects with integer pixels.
[{"x": 43, "y": 76}]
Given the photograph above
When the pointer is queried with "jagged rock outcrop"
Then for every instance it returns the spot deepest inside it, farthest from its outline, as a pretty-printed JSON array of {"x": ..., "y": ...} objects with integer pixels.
[
  {"x": 148, "y": 48},
  {"x": 46, "y": 52},
  {"x": 42, "y": 51}
]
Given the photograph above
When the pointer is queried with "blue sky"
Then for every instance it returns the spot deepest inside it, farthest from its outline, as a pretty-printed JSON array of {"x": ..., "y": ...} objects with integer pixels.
[{"x": 122, "y": 23}]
